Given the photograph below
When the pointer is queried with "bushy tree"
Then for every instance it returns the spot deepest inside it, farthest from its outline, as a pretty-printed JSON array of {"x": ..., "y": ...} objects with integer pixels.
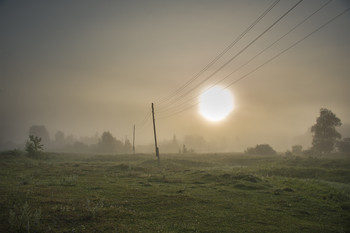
[
  {"x": 262, "y": 149},
  {"x": 41, "y": 132},
  {"x": 109, "y": 144},
  {"x": 34, "y": 146},
  {"x": 324, "y": 133}
]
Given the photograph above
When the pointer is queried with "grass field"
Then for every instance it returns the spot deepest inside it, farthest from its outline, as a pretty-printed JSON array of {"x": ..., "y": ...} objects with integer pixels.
[{"x": 186, "y": 193}]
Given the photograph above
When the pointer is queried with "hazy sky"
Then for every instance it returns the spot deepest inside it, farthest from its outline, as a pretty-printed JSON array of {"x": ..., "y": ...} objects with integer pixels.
[{"x": 91, "y": 66}]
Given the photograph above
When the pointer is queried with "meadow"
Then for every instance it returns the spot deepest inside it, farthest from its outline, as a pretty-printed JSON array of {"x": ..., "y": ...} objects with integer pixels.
[{"x": 185, "y": 193}]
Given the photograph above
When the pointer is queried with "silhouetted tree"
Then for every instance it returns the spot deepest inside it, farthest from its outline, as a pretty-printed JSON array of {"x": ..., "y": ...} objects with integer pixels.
[
  {"x": 41, "y": 132},
  {"x": 263, "y": 149},
  {"x": 344, "y": 145},
  {"x": 34, "y": 146},
  {"x": 109, "y": 144},
  {"x": 324, "y": 133}
]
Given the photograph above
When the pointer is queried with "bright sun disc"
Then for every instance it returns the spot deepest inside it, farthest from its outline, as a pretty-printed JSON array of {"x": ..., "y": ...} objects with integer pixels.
[{"x": 216, "y": 103}]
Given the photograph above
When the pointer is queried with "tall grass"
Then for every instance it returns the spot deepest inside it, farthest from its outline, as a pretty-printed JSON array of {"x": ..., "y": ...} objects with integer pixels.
[{"x": 24, "y": 218}]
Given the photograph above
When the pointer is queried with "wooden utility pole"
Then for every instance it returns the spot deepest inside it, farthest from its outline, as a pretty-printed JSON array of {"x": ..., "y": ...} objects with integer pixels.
[
  {"x": 133, "y": 141},
  {"x": 155, "y": 135}
]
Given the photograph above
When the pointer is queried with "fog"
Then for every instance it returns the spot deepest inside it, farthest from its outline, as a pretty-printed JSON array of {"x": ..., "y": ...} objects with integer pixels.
[{"x": 85, "y": 68}]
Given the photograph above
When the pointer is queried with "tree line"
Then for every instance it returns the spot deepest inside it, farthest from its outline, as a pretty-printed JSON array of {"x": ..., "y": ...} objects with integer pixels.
[
  {"x": 326, "y": 139},
  {"x": 106, "y": 143}
]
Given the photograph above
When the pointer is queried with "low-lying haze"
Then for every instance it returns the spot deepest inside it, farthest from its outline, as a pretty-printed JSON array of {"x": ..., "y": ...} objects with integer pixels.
[{"x": 86, "y": 67}]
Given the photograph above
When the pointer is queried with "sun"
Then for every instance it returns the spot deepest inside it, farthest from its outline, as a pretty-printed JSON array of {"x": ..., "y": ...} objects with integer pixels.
[{"x": 216, "y": 103}]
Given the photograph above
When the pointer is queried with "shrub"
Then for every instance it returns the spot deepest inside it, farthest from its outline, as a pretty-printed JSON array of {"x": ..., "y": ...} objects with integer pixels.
[
  {"x": 262, "y": 149},
  {"x": 34, "y": 146}
]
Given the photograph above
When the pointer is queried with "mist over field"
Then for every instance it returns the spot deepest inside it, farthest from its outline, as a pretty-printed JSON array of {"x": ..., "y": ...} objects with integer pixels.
[{"x": 85, "y": 68}]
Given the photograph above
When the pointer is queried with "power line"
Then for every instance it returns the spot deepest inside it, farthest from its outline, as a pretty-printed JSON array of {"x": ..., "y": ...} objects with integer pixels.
[
  {"x": 285, "y": 50},
  {"x": 143, "y": 122},
  {"x": 268, "y": 61},
  {"x": 236, "y": 55},
  {"x": 250, "y": 60},
  {"x": 276, "y": 41},
  {"x": 178, "y": 112},
  {"x": 165, "y": 99}
]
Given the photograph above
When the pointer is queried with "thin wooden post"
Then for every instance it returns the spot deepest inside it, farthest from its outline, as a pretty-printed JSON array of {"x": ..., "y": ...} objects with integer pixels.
[
  {"x": 155, "y": 135},
  {"x": 133, "y": 141}
]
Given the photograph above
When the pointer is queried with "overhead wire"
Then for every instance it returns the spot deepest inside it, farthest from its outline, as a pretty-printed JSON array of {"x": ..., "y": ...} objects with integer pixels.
[
  {"x": 235, "y": 56},
  {"x": 269, "y": 60},
  {"x": 212, "y": 62},
  {"x": 254, "y": 57},
  {"x": 143, "y": 122},
  {"x": 285, "y": 50}
]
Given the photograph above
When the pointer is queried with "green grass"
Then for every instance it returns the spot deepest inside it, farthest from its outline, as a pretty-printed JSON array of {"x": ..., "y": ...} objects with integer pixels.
[{"x": 192, "y": 193}]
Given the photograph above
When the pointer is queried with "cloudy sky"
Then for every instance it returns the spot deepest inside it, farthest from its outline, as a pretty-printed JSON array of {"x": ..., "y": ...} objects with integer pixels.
[{"x": 91, "y": 66}]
